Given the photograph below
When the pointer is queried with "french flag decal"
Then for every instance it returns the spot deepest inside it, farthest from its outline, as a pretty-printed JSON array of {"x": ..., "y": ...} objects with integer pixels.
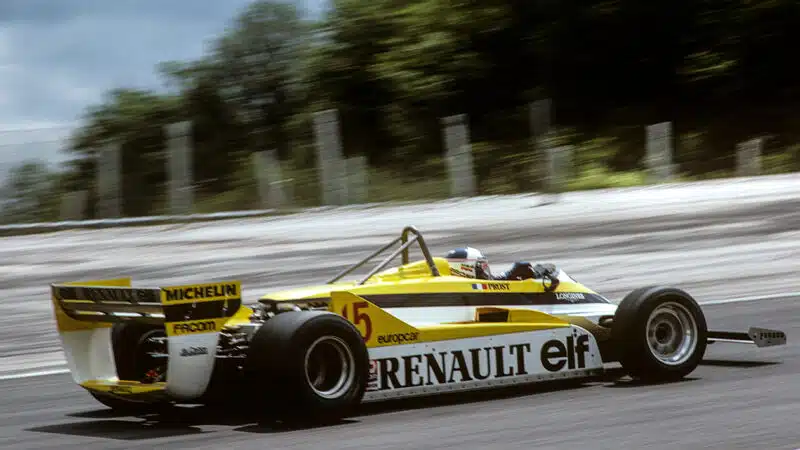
[{"x": 480, "y": 287}]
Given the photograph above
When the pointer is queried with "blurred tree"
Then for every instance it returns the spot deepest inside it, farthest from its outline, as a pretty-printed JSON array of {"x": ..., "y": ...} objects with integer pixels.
[
  {"x": 134, "y": 119},
  {"x": 30, "y": 193},
  {"x": 341, "y": 75},
  {"x": 393, "y": 68},
  {"x": 252, "y": 76},
  {"x": 438, "y": 63}
]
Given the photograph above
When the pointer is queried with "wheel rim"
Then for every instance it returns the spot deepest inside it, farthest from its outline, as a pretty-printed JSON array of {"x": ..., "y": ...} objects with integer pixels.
[
  {"x": 671, "y": 333},
  {"x": 329, "y": 367}
]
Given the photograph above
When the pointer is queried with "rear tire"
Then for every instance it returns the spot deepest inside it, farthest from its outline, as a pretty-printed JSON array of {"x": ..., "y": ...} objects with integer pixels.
[
  {"x": 130, "y": 347},
  {"x": 659, "y": 333},
  {"x": 308, "y": 366}
]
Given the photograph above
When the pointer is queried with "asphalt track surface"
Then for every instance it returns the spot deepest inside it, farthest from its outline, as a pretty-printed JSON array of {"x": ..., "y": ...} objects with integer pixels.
[{"x": 720, "y": 241}]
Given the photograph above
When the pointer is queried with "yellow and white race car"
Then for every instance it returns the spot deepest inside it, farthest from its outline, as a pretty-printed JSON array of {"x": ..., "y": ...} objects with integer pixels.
[{"x": 315, "y": 353}]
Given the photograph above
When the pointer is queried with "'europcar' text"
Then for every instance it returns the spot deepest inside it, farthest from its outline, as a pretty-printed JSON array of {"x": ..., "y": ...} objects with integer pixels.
[{"x": 398, "y": 338}]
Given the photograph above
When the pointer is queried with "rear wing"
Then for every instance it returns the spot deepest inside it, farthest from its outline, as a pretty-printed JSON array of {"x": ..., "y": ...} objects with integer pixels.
[
  {"x": 93, "y": 302},
  {"x": 191, "y": 317}
]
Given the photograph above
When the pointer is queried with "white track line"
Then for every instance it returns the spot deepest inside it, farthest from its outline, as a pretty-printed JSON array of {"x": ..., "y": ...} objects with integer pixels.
[
  {"x": 39, "y": 373},
  {"x": 753, "y": 298}
]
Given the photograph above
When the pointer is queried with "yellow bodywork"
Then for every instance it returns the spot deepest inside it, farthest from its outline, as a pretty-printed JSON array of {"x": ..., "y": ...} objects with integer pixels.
[
  {"x": 379, "y": 328},
  {"x": 65, "y": 323},
  {"x": 123, "y": 387},
  {"x": 346, "y": 299},
  {"x": 416, "y": 278},
  {"x": 79, "y": 332}
]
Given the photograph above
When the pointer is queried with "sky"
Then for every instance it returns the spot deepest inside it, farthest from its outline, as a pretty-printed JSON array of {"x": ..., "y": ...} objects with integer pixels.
[{"x": 59, "y": 56}]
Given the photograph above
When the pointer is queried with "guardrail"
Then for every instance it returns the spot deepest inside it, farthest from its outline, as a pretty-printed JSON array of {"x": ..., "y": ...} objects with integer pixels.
[
  {"x": 343, "y": 180},
  {"x": 43, "y": 227},
  {"x": 540, "y": 199},
  {"x": 47, "y": 227}
]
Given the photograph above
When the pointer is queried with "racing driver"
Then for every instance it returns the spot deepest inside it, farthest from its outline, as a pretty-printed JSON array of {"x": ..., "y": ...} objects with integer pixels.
[{"x": 470, "y": 262}]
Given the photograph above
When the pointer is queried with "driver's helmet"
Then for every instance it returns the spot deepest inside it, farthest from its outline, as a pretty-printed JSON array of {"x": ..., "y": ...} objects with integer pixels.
[{"x": 468, "y": 262}]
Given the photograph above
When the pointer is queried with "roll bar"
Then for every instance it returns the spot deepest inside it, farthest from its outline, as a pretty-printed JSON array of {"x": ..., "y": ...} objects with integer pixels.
[{"x": 403, "y": 249}]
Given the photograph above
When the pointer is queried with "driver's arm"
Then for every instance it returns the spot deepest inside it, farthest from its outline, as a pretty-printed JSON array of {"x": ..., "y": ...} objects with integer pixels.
[{"x": 520, "y": 270}]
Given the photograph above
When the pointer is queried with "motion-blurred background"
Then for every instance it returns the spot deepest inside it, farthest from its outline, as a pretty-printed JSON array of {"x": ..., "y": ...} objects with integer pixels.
[{"x": 345, "y": 101}]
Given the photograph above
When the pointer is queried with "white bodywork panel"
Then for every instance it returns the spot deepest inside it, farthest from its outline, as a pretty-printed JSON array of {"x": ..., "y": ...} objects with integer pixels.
[
  {"x": 89, "y": 355},
  {"x": 190, "y": 364},
  {"x": 433, "y": 315},
  {"x": 481, "y": 362}
]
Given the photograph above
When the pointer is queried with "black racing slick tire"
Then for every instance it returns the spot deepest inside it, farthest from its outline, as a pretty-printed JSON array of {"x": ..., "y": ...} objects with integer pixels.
[
  {"x": 130, "y": 345},
  {"x": 659, "y": 334},
  {"x": 308, "y": 366},
  {"x": 131, "y": 348}
]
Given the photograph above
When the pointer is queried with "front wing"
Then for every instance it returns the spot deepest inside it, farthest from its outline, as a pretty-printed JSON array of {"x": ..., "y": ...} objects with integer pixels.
[{"x": 760, "y": 337}]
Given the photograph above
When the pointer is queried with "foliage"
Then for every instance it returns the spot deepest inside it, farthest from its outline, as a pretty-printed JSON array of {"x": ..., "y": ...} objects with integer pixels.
[
  {"x": 392, "y": 69},
  {"x": 29, "y": 194}
]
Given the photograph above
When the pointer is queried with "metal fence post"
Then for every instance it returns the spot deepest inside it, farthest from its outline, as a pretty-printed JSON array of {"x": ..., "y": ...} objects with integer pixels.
[
  {"x": 459, "y": 156},
  {"x": 73, "y": 205},
  {"x": 331, "y": 165},
  {"x": 658, "y": 158},
  {"x": 357, "y": 179},
  {"x": 181, "y": 196},
  {"x": 558, "y": 163},
  {"x": 540, "y": 116},
  {"x": 269, "y": 178},
  {"x": 109, "y": 188},
  {"x": 748, "y": 157}
]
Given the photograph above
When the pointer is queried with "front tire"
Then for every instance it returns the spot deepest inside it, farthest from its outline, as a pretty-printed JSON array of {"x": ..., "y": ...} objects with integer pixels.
[
  {"x": 308, "y": 366},
  {"x": 660, "y": 334}
]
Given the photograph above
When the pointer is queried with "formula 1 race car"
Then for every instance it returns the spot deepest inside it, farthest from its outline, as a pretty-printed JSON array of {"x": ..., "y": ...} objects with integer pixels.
[{"x": 315, "y": 353}]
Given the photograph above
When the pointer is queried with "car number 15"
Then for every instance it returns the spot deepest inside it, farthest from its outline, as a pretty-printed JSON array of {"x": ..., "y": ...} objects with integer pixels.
[{"x": 359, "y": 317}]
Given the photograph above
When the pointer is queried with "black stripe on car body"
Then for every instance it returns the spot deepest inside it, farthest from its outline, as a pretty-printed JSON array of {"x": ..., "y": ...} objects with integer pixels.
[
  {"x": 442, "y": 299},
  {"x": 477, "y": 299},
  {"x": 205, "y": 309}
]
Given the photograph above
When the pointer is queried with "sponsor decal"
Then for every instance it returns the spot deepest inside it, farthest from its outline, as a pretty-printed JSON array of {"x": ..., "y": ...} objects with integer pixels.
[
  {"x": 556, "y": 355},
  {"x": 454, "y": 366},
  {"x": 398, "y": 338},
  {"x": 372, "y": 381},
  {"x": 570, "y": 296},
  {"x": 459, "y": 273},
  {"x": 94, "y": 294},
  {"x": 194, "y": 351},
  {"x": 194, "y": 327},
  {"x": 491, "y": 287},
  {"x": 202, "y": 292},
  {"x": 121, "y": 390}
]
